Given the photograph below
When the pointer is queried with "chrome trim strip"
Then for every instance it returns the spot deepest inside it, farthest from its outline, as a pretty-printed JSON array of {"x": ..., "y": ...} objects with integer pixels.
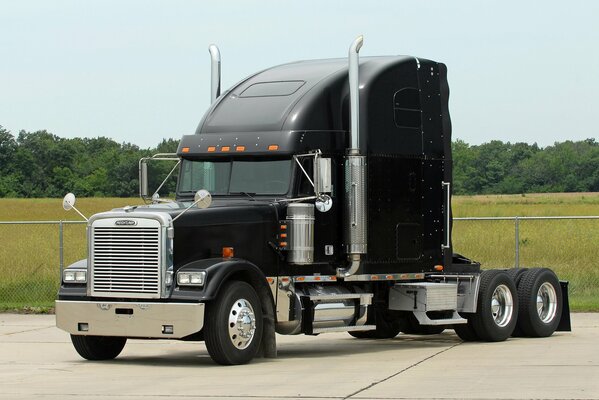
[{"x": 385, "y": 277}]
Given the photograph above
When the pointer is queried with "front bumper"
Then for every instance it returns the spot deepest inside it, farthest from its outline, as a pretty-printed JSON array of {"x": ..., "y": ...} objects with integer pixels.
[{"x": 142, "y": 320}]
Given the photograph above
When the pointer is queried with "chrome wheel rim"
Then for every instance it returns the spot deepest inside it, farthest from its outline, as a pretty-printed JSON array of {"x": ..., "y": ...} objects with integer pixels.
[
  {"x": 546, "y": 302},
  {"x": 502, "y": 305},
  {"x": 242, "y": 324}
]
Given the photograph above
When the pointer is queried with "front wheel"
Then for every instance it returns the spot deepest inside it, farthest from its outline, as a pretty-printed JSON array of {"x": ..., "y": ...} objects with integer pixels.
[
  {"x": 497, "y": 306},
  {"x": 234, "y": 324},
  {"x": 98, "y": 348}
]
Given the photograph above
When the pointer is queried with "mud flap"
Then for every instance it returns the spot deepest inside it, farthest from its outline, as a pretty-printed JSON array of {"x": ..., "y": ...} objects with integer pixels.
[{"x": 565, "y": 323}]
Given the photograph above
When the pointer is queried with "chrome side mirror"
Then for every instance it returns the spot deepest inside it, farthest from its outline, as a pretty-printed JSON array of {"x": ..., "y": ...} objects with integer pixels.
[
  {"x": 68, "y": 203},
  {"x": 202, "y": 198},
  {"x": 143, "y": 178},
  {"x": 322, "y": 175}
]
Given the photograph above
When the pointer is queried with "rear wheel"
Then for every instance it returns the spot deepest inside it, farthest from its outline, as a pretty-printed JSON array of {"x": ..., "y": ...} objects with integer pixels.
[
  {"x": 497, "y": 306},
  {"x": 234, "y": 324},
  {"x": 98, "y": 348},
  {"x": 541, "y": 303}
]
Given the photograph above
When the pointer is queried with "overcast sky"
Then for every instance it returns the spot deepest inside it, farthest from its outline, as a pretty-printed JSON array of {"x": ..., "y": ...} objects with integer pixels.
[{"x": 138, "y": 71}]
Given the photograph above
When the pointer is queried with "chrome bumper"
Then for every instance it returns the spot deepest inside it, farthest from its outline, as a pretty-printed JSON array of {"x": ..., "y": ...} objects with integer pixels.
[{"x": 142, "y": 320}]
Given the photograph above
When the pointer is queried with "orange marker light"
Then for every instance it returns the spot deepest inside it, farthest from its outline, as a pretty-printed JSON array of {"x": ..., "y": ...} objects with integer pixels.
[
  {"x": 283, "y": 227},
  {"x": 185, "y": 149},
  {"x": 228, "y": 252},
  {"x": 211, "y": 149},
  {"x": 273, "y": 147},
  {"x": 283, "y": 235},
  {"x": 438, "y": 268},
  {"x": 240, "y": 148},
  {"x": 283, "y": 244},
  {"x": 225, "y": 148}
]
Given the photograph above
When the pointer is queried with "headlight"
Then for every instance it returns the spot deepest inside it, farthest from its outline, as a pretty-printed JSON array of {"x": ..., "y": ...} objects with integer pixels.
[
  {"x": 191, "y": 278},
  {"x": 74, "y": 276},
  {"x": 169, "y": 277}
]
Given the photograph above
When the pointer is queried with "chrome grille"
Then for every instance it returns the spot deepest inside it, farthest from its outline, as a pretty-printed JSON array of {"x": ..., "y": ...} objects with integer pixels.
[{"x": 126, "y": 259}]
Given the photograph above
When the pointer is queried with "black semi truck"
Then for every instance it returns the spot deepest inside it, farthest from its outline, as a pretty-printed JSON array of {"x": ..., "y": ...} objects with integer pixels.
[{"x": 313, "y": 197}]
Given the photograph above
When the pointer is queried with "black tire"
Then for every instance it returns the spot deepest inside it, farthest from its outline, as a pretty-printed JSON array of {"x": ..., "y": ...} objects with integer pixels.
[
  {"x": 497, "y": 306},
  {"x": 413, "y": 327},
  {"x": 539, "y": 284},
  {"x": 384, "y": 330},
  {"x": 97, "y": 348},
  {"x": 466, "y": 332},
  {"x": 516, "y": 274},
  {"x": 227, "y": 343}
]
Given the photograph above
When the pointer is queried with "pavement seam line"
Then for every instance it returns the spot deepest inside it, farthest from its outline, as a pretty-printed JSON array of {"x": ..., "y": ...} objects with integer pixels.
[
  {"x": 26, "y": 330},
  {"x": 400, "y": 372}
]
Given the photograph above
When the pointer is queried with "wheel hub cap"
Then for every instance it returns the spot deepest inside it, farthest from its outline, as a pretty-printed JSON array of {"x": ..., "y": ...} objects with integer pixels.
[
  {"x": 546, "y": 302},
  {"x": 502, "y": 305},
  {"x": 242, "y": 324}
]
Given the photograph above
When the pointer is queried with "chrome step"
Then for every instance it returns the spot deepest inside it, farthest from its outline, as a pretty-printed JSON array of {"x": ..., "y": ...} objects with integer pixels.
[
  {"x": 423, "y": 319},
  {"x": 345, "y": 329}
]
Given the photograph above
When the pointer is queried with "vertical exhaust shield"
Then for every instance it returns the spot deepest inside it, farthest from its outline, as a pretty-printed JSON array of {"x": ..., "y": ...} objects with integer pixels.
[
  {"x": 215, "y": 72},
  {"x": 355, "y": 173}
]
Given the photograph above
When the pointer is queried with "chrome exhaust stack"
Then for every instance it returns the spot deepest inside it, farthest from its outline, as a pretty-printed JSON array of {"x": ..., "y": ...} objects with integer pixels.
[
  {"x": 355, "y": 174},
  {"x": 215, "y": 72}
]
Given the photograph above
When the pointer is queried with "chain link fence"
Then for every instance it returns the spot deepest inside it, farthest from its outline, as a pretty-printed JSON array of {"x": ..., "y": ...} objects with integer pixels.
[
  {"x": 32, "y": 253},
  {"x": 31, "y": 256}
]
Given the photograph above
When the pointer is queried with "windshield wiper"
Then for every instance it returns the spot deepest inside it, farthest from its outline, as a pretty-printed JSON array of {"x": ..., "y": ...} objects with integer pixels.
[{"x": 250, "y": 195}]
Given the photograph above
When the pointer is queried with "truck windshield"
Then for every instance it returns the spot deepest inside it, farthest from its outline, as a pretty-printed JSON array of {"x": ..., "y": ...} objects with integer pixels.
[{"x": 235, "y": 177}]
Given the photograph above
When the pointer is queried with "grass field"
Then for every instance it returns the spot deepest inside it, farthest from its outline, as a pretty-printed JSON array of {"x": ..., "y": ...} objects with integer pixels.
[{"x": 29, "y": 258}]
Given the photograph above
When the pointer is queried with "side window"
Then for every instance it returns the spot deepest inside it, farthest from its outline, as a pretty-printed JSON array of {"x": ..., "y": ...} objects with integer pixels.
[{"x": 406, "y": 107}]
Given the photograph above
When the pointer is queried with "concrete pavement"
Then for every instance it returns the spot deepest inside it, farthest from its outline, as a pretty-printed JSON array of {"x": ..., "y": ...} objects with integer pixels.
[{"x": 37, "y": 361}]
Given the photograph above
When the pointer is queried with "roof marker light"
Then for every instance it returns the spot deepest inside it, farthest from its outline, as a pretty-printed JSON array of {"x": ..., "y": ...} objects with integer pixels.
[
  {"x": 211, "y": 149},
  {"x": 273, "y": 147},
  {"x": 185, "y": 149},
  {"x": 225, "y": 148}
]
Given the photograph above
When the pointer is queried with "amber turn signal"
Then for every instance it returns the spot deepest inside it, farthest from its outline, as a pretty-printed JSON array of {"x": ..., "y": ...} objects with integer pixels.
[{"x": 228, "y": 252}]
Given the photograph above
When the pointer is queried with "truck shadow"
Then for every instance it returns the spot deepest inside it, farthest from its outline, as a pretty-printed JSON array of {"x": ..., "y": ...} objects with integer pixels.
[{"x": 303, "y": 348}]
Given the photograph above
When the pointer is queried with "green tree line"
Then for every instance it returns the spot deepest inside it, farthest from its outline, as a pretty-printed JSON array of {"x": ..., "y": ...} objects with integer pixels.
[
  {"x": 505, "y": 168},
  {"x": 40, "y": 164}
]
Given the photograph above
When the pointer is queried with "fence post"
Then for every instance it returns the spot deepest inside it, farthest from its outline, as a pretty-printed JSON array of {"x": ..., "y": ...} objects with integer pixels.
[
  {"x": 517, "y": 244},
  {"x": 60, "y": 249}
]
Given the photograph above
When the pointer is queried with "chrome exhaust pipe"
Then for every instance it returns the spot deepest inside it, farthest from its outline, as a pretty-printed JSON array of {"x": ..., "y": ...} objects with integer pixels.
[
  {"x": 215, "y": 72},
  {"x": 355, "y": 174},
  {"x": 354, "y": 94}
]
